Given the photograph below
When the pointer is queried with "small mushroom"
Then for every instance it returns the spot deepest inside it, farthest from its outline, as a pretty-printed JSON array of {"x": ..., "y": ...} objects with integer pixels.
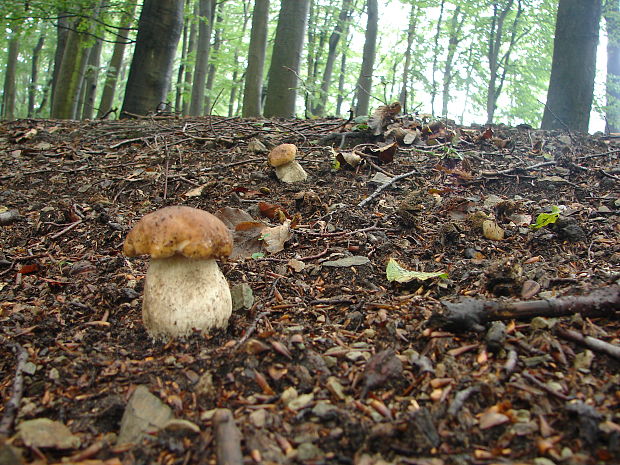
[
  {"x": 282, "y": 158},
  {"x": 184, "y": 288}
]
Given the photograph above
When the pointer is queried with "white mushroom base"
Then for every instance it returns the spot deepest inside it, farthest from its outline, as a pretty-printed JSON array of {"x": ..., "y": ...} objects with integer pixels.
[{"x": 183, "y": 294}]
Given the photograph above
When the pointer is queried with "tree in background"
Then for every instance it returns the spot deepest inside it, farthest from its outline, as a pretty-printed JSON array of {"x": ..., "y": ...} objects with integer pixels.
[
  {"x": 612, "y": 109},
  {"x": 206, "y": 10},
  {"x": 571, "y": 86},
  {"x": 364, "y": 82},
  {"x": 8, "y": 96},
  {"x": 256, "y": 60},
  {"x": 159, "y": 30},
  {"x": 286, "y": 59}
]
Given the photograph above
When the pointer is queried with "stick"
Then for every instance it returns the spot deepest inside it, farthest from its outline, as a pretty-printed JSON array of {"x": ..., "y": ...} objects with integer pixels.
[
  {"x": 227, "y": 439},
  {"x": 382, "y": 187},
  {"x": 590, "y": 342},
  {"x": 12, "y": 406}
]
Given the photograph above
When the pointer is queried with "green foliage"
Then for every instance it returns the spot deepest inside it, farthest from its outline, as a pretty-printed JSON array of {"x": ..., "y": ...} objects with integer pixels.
[{"x": 545, "y": 219}]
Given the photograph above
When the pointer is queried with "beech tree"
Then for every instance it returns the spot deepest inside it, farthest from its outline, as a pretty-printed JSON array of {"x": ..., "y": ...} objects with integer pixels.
[
  {"x": 8, "y": 96},
  {"x": 612, "y": 108},
  {"x": 206, "y": 11},
  {"x": 286, "y": 58},
  {"x": 364, "y": 82},
  {"x": 571, "y": 86},
  {"x": 159, "y": 30}
]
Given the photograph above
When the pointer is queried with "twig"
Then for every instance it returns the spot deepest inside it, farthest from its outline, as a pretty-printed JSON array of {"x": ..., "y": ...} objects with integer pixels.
[
  {"x": 590, "y": 342},
  {"x": 250, "y": 329},
  {"x": 12, "y": 406},
  {"x": 382, "y": 187},
  {"x": 546, "y": 388},
  {"x": 517, "y": 168},
  {"x": 227, "y": 439},
  {"x": 67, "y": 229}
]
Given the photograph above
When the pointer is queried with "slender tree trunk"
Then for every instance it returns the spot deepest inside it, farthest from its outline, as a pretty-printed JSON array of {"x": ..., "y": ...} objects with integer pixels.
[
  {"x": 435, "y": 55},
  {"x": 205, "y": 28},
  {"x": 468, "y": 79},
  {"x": 334, "y": 40},
  {"x": 341, "y": 82},
  {"x": 612, "y": 109},
  {"x": 116, "y": 61},
  {"x": 232, "y": 100},
  {"x": 573, "y": 68},
  {"x": 91, "y": 77},
  {"x": 286, "y": 59},
  {"x": 256, "y": 60},
  {"x": 191, "y": 55},
  {"x": 62, "y": 33},
  {"x": 10, "y": 88},
  {"x": 404, "y": 90},
  {"x": 70, "y": 74},
  {"x": 217, "y": 42},
  {"x": 34, "y": 73},
  {"x": 159, "y": 31},
  {"x": 448, "y": 74},
  {"x": 364, "y": 83},
  {"x": 178, "y": 100}
]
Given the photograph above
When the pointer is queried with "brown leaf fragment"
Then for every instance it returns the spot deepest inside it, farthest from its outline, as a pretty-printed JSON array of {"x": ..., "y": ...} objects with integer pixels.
[
  {"x": 281, "y": 349},
  {"x": 381, "y": 367},
  {"x": 262, "y": 382},
  {"x": 491, "y": 418},
  {"x": 383, "y": 116}
]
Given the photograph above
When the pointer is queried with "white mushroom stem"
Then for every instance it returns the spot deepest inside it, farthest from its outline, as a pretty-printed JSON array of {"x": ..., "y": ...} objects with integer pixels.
[
  {"x": 182, "y": 294},
  {"x": 291, "y": 172}
]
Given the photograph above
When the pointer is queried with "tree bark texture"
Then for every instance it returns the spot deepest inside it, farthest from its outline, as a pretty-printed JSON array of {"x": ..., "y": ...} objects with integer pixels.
[
  {"x": 256, "y": 60},
  {"x": 159, "y": 30},
  {"x": 91, "y": 77},
  {"x": 189, "y": 70},
  {"x": 456, "y": 25},
  {"x": 364, "y": 83},
  {"x": 62, "y": 32},
  {"x": 573, "y": 67},
  {"x": 215, "y": 48},
  {"x": 203, "y": 48},
  {"x": 404, "y": 90},
  {"x": 612, "y": 19},
  {"x": 116, "y": 61},
  {"x": 9, "y": 93},
  {"x": 286, "y": 59},
  {"x": 34, "y": 74}
]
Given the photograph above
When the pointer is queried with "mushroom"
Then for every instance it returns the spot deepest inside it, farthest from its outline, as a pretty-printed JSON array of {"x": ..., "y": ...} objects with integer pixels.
[
  {"x": 184, "y": 287},
  {"x": 282, "y": 158}
]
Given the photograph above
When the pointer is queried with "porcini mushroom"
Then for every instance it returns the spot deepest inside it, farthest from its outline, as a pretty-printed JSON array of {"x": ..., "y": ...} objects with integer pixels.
[
  {"x": 184, "y": 288},
  {"x": 282, "y": 158}
]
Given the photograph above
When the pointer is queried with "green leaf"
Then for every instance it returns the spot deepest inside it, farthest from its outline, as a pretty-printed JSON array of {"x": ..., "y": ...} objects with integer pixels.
[
  {"x": 545, "y": 219},
  {"x": 257, "y": 255},
  {"x": 395, "y": 272}
]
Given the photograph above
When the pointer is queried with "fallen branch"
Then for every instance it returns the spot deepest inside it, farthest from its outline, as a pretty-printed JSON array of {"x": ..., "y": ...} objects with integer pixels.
[
  {"x": 590, "y": 342},
  {"x": 382, "y": 187},
  {"x": 12, "y": 406},
  {"x": 473, "y": 314},
  {"x": 227, "y": 439}
]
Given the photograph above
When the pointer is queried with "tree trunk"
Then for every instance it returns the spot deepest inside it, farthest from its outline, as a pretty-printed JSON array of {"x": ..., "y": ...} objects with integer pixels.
[
  {"x": 404, "y": 91},
  {"x": 159, "y": 30},
  {"x": 341, "y": 82},
  {"x": 612, "y": 109},
  {"x": 10, "y": 88},
  {"x": 448, "y": 74},
  {"x": 256, "y": 60},
  {"x": 70, "y": 73},
  {"x": 34, "y": 73},
  {"x": 116, "y": 61},
  {"x": 364, "y": 83},
  {"x": 62, "y": 32},
  {"x": 178, "y": 99},
  {"x": 286, "y": 59},
  {"x": 217, "y": 42},
  {"x": 334, "y": 39},
  {"x": 91, "y": 77},
  {"x": 232, "y": 100},
  {"x": 191, "y": 55},
  {"x": 571, "y": 86},
  {"x": 435, "y": 55},
  {"x": 205, "y": 28}
]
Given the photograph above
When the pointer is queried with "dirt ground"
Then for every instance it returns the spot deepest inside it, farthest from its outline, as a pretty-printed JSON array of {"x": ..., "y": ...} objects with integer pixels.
[{"x": 327, "y": 361}]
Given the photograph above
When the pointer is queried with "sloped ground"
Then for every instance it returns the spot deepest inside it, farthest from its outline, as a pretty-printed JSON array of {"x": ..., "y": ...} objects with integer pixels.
[{"x": 372, "y": 379}]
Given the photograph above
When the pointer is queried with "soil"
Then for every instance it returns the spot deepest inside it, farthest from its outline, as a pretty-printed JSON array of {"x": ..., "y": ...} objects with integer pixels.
[{"x": 330, "y": 362}]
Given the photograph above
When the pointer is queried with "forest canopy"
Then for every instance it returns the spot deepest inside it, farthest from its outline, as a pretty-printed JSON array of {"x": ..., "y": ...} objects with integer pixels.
[{"x": 483, "y": 61}]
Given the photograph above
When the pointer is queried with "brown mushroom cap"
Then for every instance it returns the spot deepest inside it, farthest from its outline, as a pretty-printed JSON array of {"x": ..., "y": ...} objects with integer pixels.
[
  {"x": 179, "y": 230},
  {"x": 282, "y": 154}
]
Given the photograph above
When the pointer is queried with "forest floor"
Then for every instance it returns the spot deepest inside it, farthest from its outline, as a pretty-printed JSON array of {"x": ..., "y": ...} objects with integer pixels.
[{"x": 325, "y": 361}]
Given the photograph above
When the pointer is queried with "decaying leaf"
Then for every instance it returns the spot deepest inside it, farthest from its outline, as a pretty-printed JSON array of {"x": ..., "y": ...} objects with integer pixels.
[{"x": 395, "y": 272}]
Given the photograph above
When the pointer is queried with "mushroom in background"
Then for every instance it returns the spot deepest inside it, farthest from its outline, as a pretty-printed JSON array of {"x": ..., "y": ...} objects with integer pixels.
[
  {"x": 282, "y": 158},
  {"x": 184, "y": 288}
]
